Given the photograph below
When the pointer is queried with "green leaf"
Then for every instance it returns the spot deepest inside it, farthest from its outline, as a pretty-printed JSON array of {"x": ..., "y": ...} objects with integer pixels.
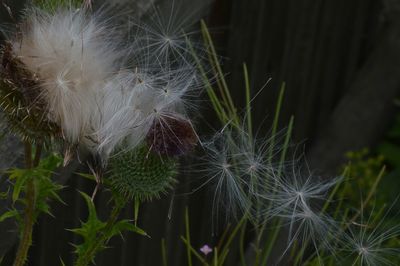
[
  {"x": 126, "y": 225},
  {"x": 89, "y": 229},
  {"x": 87, "y": 176},
  {"x": 21, "y": 176},
  {"x": 8, "y": 214},
  {"x": 4, "y": 195},
  {"x": 91, "y": 207},
  {"x": 391, "y": 152},
  {"x": 51, "y": 162}
]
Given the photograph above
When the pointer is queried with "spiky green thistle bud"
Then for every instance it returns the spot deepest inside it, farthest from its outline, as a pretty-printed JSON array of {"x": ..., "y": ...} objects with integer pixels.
[
  {"x": 142, "y": 174},
  {"x": 53, "y": 5},
  {"x": 20, "y": 100}
]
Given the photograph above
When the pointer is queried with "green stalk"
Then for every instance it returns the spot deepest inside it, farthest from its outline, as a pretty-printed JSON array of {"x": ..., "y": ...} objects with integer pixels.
[
  {"x": 271, "y": 242},
  {"x": 215, "y": 257},
  {"x": 241, "y": 243},
  {"x": 38, "y": 153},
  {"x": 27, "y": 226},
  {"x": 248, "y": 101},
  {"x": 164, "y": 252},
  {"x": 209, "y": 89},
  {"x": 224, "y": 86},
  {"x": 189, "y": 254},
  {"x": 194, "y": 252},
  {"x": 225, "y": 249},
  {"x": 286, "y": 145},
  {"x": 370, "y": 194},
  {"x": 276, "y": 120},
  {"x": 102, "y": 239}
]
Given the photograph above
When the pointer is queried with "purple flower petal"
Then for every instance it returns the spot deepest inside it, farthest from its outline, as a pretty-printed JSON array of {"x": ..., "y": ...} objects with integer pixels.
[{"x": 206, "y": 250}]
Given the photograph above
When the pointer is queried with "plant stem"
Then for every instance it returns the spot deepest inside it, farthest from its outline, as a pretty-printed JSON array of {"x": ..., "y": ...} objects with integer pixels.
[
  {"x": 27, "y": 227},
  {"x": 38, "y": 153},
  {"x": 164, "y": 252},
  {"x": 102, "y": 238},
  {"x": 187, "y": 226}
]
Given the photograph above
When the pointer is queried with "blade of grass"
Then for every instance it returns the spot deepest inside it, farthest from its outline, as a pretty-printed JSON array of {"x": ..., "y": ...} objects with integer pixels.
[
  {"x": 224, "y": 234},
  {"x": 217, "y": 65},
  {"x": 334, "y": 190},
  {"x": 209, "y": 89},
  {"x": 286, "y": 145},
  {"x": 136, "y": 210},
  {"x": 370, "y": 194},
  {"x": 225, "y": 249},
  {"x": 271, "y": 241},
  {"x": 187, "y": 226},
  {"x": 276, "y": 120},
  {"x": 241, "y": 243},
  {"x": 215, "y": 260},
  {"x": 248, "y": 101},
  {"x": 164, "y": 252},
  {"x": 195, "y": 253}
]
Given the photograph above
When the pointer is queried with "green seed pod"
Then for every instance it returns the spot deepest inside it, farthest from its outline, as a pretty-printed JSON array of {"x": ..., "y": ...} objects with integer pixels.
[
  {"x": 21, "y": 102},
  {"x": 142, "y": 174}
]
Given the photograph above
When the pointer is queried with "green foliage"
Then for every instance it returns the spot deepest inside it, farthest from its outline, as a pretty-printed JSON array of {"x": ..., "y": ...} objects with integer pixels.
[
  {"x": 96, "y": 233},
  {"x": 9, "y": 214},
  {"x": 5, "y": 194},
  {"x": 142, "y": 174},
  {"x": 363, "y": 168},
  {"x": 45, "y": 188},
  {"x": 89, "y": 229},
  {"x": 390, "y": 147}
]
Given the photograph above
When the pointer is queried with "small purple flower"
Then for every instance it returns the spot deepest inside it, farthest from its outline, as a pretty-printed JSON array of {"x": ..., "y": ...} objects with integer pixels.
[{"x": 206, "y": 250}]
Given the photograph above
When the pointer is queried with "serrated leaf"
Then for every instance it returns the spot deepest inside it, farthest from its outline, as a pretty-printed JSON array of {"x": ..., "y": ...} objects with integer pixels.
[
  {"x": 4, "y": 195},
  {"x": 46, "y": 190},
  {"x": 87, "y": 176},
  {"x": 126, "y": 225},
  {"x": 89, "y": 229},
  {"x": 51, "y": 162},
  {"x": 90, "y": 205},
  {"x": 21, "y": 177},
  {"x": 8, "y": 215}
]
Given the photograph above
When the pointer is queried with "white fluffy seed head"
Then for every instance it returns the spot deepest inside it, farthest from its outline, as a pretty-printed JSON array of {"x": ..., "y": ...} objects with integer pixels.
[
  {"x": 102, "y": 93},
  {"x": 240, "y": 169},
  {"x": 125, "y": 105},
  {"x": 73, "y": 54}
]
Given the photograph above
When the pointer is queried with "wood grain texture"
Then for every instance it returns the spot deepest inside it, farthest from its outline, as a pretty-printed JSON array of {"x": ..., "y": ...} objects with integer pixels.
[{"x": 340, "y": 60}]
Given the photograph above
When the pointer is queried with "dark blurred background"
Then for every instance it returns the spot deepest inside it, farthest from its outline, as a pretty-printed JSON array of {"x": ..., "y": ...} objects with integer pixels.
[{"x": 340, "y": 60}]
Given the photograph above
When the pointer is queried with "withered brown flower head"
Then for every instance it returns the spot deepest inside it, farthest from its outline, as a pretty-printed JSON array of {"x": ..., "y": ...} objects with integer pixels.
[{"x": 172, "y": 136}]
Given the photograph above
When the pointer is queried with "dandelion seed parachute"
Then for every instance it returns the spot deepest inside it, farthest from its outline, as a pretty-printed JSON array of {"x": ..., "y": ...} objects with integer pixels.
[
  {"x": 295, "y": 198},
  {"x": 242, "y": 168},
  {"x": 371, "y": 242}
]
